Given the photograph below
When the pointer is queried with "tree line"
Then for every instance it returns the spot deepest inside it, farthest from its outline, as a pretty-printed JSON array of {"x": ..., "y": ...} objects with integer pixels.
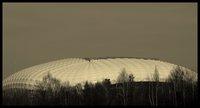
[{"x": 178, "y": 90}]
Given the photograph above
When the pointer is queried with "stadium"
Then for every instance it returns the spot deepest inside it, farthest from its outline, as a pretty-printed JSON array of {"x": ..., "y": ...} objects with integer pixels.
[{"x": 80, "y": 70}]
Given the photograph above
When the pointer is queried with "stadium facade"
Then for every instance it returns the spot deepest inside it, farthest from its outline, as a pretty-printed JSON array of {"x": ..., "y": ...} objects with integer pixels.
[{"x": 80, "y": 70}]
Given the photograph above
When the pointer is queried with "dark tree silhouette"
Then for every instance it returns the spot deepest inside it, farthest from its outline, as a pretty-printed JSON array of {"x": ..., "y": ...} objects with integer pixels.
[{"x": 179, "y": 90}]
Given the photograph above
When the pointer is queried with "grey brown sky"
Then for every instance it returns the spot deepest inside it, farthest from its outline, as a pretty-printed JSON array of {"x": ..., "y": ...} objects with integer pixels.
[{"x": 39, "y": 33}]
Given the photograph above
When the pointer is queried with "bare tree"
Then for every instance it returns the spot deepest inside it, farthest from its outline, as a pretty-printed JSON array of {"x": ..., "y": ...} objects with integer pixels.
[
  {"x": 49, "y": 88},
  {"x": 180, "y": 78},
  {"x": 156, "y": 79},
  {"x": 156, "y": 75},
  {"x": 123, "y": 76},
  {"x": 123, "y": 79},
  {"x": 150, "y": 94}
]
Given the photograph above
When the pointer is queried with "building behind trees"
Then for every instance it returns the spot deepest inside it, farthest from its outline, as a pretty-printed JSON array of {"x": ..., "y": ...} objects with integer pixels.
[{"x": 178, "y": 90}]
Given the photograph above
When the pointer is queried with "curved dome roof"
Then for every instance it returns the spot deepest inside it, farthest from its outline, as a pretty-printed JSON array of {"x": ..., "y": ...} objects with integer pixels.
[{"x": 79, "y": 70}]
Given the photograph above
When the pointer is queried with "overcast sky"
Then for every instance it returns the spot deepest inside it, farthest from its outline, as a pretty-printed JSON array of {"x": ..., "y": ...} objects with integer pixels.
[{"x": 39, "y": 33}]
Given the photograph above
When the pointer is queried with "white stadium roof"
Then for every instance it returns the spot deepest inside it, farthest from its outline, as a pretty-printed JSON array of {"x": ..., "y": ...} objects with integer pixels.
[{"x": 79, "y": 70}]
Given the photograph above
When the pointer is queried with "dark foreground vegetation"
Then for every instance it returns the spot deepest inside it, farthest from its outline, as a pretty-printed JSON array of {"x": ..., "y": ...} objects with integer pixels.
[{"x": 179, "y": 90}]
